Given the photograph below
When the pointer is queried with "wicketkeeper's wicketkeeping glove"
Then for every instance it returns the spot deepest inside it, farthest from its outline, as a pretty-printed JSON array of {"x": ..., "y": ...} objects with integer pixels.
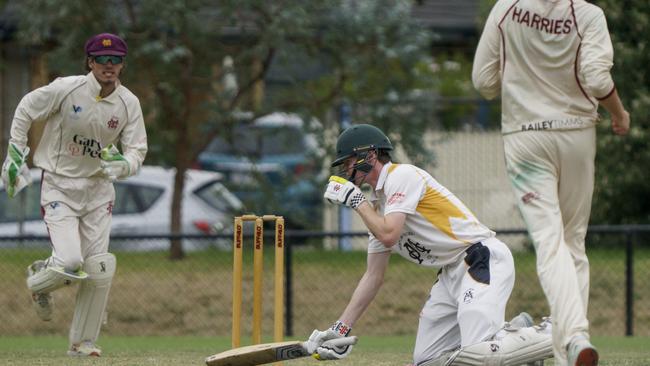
[
  {"x": 114, "y": 165},
  {"x": 15, "y": 174},
  {"x": 341, "y": 190}
]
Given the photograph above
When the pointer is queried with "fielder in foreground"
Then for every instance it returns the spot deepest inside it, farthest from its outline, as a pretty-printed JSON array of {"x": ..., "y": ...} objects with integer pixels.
[
  {"x": 462, "y": 322},
  {"x": 260, "y": 354},
  {"x": 550, "y": 63},
  {"x": 83, "y": 116}
]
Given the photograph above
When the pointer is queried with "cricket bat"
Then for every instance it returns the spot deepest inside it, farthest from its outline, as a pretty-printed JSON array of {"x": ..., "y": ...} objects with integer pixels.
[{"x": 260, "y": 354}]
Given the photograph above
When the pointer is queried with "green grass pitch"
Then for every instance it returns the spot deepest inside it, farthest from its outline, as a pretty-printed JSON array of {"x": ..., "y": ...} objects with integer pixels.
[{"x": 187, "y": 350}]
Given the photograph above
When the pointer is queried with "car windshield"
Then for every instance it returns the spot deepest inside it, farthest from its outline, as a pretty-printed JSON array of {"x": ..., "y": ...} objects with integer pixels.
[
  {"x": 259, "y": 141},
  {"x": 217, "y": 196}
]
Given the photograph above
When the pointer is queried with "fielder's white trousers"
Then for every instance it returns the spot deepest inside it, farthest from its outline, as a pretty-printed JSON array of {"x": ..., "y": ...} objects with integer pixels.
[
  {"x": 552, "y": 173},
  {"x": 77, "y": 212},
  {"x": 462, "y": 309}
]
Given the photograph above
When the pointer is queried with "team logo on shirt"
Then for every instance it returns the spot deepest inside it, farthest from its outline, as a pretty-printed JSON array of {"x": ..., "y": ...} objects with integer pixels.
[
  {"x": 83, "y": 146},
  {"x": 112, "y": 124},
  {"x": 416, "y": 250},
  {"x": 76, "y": 108},
  {"x": 397, "y": 197},
  {"x": 468, "y": 296}
]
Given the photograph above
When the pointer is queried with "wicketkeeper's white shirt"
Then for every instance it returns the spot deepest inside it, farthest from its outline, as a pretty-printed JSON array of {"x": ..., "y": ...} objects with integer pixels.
[
  {"x": 438, "y": 227},
  {"x": 79, "y": 123},
  {"x": 552, "y": 59}
]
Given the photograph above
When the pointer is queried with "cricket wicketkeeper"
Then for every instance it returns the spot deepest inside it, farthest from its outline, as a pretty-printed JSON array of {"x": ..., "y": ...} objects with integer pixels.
[
  {"x": 411, "y": 214},
  {"x": 85, "y": 117}
]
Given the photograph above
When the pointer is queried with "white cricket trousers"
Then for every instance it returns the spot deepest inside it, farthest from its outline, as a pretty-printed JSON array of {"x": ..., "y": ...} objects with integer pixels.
[
  {"x": 467, "y": 304},
  {"x": 552, "y": 174},
  {"x": 77, "y": 213}
]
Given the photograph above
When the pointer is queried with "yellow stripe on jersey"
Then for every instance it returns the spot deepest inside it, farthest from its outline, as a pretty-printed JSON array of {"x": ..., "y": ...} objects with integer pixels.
[{"x": 438, "y": 210}]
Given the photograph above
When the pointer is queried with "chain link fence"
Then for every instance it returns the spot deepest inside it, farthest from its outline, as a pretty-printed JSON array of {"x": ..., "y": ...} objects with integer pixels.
[{"x": 153, "y": 295}]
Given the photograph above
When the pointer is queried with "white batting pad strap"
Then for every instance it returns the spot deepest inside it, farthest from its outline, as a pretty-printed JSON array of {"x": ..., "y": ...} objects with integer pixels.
[
  {"x": 522, "y": 346},
  {"x": 52, "y": 278},
  {"x": 92, "y": 298}
]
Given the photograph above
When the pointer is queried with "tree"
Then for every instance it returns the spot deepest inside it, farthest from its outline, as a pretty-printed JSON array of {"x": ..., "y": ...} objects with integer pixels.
[
  {"x": 622, "y": 194},
  {"x": 367, "y": 52}
]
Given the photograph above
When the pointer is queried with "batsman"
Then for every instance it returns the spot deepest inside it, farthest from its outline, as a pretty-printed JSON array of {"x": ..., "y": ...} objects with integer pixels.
[
  {"x": 411, "y": 214},
  {"x": 84, "y": 117}
]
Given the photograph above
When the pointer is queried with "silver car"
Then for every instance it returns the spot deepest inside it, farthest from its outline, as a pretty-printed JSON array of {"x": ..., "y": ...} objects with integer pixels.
[{"x": 142, "y": 206}]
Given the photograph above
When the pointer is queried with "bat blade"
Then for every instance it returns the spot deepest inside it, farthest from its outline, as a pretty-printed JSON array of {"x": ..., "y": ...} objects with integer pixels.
[{"x": 258, "y": 354}]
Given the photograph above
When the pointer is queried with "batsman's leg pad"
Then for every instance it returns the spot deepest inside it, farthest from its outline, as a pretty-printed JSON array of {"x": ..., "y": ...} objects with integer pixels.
[
  {"x": 92, "y": 298},
  {"x": 520, "y": 346},
  {"x": 48, "y": 279}
]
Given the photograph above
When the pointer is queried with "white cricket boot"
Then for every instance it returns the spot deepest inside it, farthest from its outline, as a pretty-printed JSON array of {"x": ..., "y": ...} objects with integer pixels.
[
  {"x": 546, "y": 326},
  {"x": 85, "y": 349},
  {"x": 43, "y": 302},
  {"x": 582, "y": 352},
  {"x": 523, "y": 320}
]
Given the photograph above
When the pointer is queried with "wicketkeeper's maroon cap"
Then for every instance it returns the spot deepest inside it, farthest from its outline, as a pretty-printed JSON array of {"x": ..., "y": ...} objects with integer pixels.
[{"x": 105, "y": 44}]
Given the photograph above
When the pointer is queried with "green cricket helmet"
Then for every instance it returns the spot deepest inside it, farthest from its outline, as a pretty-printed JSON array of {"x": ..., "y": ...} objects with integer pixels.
[{"x": 360, "y": 139}]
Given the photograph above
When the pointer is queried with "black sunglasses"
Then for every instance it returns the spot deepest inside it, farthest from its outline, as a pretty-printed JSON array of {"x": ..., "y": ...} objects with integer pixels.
[{"x": 104, "y": 59}]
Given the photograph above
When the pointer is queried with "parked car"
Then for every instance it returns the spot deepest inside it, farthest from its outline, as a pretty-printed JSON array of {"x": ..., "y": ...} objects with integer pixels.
[
  {"x": 142, "y": 206},
  {"x": 273, "y": 164}
]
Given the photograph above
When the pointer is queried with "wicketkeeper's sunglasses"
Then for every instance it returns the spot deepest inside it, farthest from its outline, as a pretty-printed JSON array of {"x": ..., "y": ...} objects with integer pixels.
[{"x": 104, "y": 59}]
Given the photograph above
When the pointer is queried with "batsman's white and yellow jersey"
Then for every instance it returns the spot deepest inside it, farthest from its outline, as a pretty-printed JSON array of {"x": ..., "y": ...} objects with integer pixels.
[
  {"x": 552, "y": 59},
  {"x": 438, "y": 227},
  {"x": 79, "y": 123}
]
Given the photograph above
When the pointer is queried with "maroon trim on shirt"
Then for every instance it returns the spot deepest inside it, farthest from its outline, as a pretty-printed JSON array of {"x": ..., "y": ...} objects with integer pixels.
[
  {"x": 608, "y": 94},
  {"x": 573, "y": 14},
  {"x": 575, "y": 64},
  {"x": 503, "y": 38}
]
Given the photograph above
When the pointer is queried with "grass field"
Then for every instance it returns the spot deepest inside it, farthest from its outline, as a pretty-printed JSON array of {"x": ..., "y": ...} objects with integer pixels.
[
  {"x": 165, "y": 312},
  {"x": 160, "y": 351}
]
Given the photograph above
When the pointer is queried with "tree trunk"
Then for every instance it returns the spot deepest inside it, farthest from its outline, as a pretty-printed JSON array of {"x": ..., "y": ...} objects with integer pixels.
[{"x": 176, "y": 249}]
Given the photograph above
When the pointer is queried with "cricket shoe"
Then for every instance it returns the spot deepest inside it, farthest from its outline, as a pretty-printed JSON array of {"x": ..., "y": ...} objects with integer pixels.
[
  {"x": 43, "y": 302},
  {"x": 523, "y": 320},
  {"x": 582, "y": 352},
  {"x": 85, "y": 349}
]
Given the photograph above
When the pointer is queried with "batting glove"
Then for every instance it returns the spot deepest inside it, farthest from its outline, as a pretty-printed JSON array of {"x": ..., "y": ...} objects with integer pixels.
[
  {"x": 335, "y": 349},
  {"x": 15, "y": 173},
  {"x": 114, "y": 165},
  {"x": 318, "y": 345},
  {"x": 341, "y": 190}
]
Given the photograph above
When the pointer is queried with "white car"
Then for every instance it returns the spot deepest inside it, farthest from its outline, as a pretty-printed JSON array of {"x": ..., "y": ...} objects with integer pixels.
[{"x": 142, "y": 206}]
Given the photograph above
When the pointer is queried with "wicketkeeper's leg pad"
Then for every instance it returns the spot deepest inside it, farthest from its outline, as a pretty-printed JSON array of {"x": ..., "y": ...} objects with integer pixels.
[
  {"x": 517, "y": 347},
  {"x": 92, "y": 298},
  {"x": 49, "y": 279}
]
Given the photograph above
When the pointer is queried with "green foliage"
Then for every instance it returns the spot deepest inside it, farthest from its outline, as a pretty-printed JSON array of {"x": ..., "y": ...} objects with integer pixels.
[
  {"x": 622, "y": 195},
  {"x": 367, "y": 52},
  {"x": 312, "y": 55}
]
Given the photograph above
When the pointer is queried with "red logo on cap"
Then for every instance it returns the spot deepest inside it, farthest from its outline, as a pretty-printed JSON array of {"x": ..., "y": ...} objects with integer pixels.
[{"x": 106, "y": 42}]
